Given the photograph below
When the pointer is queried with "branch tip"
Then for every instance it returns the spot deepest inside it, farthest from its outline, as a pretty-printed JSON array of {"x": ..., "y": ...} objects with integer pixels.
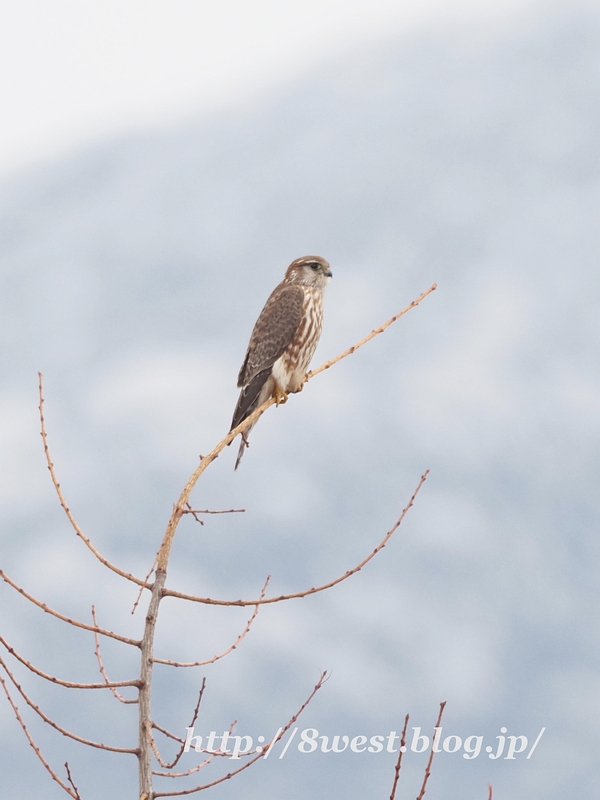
[{"x": 431, "y": 753}]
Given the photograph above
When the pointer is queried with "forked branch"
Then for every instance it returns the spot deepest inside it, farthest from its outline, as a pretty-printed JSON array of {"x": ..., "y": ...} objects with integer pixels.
[
  {"x": 198, "y": 767},
  {"x": 191, "y": 725},
  {"x": 260, "y": 601},
  {"x": 195, "y": 511},
  {"x": 71, "y": 781},
  {"x": 267, "y": 747}
]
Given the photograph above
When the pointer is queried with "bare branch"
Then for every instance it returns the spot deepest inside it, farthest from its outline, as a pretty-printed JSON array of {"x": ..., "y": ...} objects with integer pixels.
[
  {"x": 371, "y": 335},
  {"x": 225, "y": 652},
  {"x": 430, "y": 760},
  {"x": 182, "y": 741},
  {"x": 48, "y": 610},
  {"x": 153, "y": 744},
  {"x": 491, "y": 791},
  {"x": 191, "y": 510},
  {"x": 63, "y": 502},
  {"x": 314, "y": 590},
  {"x": 57, "y": 727},
  {"x": 399, "y": 761},
  {"x": 111, "y": 686},
  {"x": 168, "y": 733},
  {"x": 191, "y": 725},
  {"x": 71, "y": 781},
  {"x": 195, "y": 511},
  {"x": 58, "y": 681},
  {"x": 36, "y": 749},
  {"x": 178, "y": 510},
  {"x": 197, "y": 768},
  {"x": 252, "y": 761}
]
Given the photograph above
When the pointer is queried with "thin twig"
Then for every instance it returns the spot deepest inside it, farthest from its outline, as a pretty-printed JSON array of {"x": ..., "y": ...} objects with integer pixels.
[
  {"x": 36, "y": 749},
  {"x": 195, "y": 511},
  {"x": 191, "y": 510},
  {"x": 314, "y": 590},
  {"x": 48, "y": 610},
  {"x": 63, "y": 502},
  {"x": 182, "y": 741},
  {"x": 117, "y": 694},
  {"x": 283, "y": 731},
  {"x": 371, "y": 335},
  {"x": 401, "y": 751},
  {"x": 225, "y": 652},
  {"x": 141, "y": 591},
  {"x": 157, "y": 755},
  {"x": 198, "y": 767},
  {"x": 57, "y": 727},
  {"x": 71, "y": 781},
  {"x": 68, "y": 684},
  {"x": 150, "y": 725},
  {"x": 491, "y": 791},
  {"x": 168, "y": 733},
  {"x": 430, "y": 760}
]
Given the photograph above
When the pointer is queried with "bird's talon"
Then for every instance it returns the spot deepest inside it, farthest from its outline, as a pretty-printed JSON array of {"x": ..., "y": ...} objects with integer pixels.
[{"x": 280, "y": 396}]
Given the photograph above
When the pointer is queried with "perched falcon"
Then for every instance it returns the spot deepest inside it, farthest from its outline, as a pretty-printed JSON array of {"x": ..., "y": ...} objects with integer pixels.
[{"x": 283, "y": 341}]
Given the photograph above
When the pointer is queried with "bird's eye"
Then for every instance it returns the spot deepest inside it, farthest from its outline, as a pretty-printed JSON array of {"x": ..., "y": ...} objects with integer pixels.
[{"x": 314, "y": 265}]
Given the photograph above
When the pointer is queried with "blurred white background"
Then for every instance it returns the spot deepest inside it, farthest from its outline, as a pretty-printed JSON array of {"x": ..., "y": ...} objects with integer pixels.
[{"x": 75, "y": 71}]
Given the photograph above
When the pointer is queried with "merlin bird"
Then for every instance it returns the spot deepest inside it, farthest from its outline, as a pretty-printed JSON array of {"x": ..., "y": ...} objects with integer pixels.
[{"x": 283, "y": 340}]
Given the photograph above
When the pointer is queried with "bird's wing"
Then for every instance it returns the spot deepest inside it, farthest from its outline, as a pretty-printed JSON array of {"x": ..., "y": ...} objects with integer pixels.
[
  {"x": 274, "y": 331},
  {"x": 250, "y": 398}
]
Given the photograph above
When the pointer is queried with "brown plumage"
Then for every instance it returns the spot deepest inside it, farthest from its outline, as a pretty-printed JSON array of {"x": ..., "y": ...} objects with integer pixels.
[{"x": 283, "y": 340}]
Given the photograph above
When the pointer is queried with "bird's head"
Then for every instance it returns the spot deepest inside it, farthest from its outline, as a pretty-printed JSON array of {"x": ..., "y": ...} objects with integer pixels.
[{"x": 309, "y": 271}]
